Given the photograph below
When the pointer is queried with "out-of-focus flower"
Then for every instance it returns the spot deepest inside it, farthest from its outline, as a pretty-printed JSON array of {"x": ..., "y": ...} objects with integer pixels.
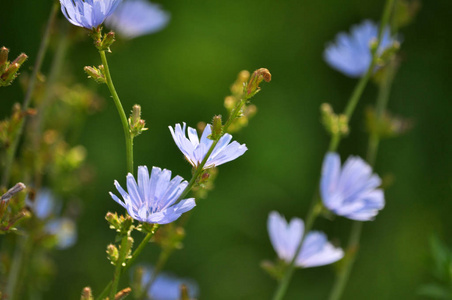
[
  {"x": 195, "y": 150},
  {"x": 351, "y": 54},
  {"x": 134, "y": 18},
  {"x": 64, "y": 230},
  {"x": 152, "y": 200},
  {"x": 88, "y": 13},
  {"x": 315, "y": 251},
  {"x": 351, "y": 191},
  {"x": 167, "y": 287},
  {"x": 44, "y": 204}
]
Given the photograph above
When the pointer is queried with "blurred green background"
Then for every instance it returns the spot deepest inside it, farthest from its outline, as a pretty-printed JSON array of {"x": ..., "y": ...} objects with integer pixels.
[{"x": 183, "y": 73}]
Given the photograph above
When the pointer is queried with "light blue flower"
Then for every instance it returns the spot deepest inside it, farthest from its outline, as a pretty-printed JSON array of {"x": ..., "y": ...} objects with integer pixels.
[
  {"x": 64, "y": 230},
  {"x": 44, "y": 204},
  {"x": 167, "y": 287},
  {"x": 315, "y": 251},
  {"x": 88, "y": 13},
  {"x": 152, "y": 200},
  {"x": 195, "y": 150},
  {"x": 350, "y": 53},
  {"x": 134, "y": 18},
  {"x": 351, "y": 191}
]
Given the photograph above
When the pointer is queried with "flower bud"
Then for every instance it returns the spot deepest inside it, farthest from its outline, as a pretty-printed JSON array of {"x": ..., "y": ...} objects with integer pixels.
[
  {"x": 136, "y": 124},
  {"x": 12, "y": 191},
  {"x": 95, "y": 73},
  {"x": 112, "y": 253},
  {"x": 113, "y": 220},
  {"x": 237, "y": 87},
  {"x": 184, "y": 292},
  {"x": 20, "y": 59},
  {"x": 86, "y": 294},
  {"x": 3, "y": 56},
  {"x": 217, "y": 128},
  {"x": 107, "y": 41},
  {"x": 258, "y": 76},
  {"x": 123, "y": 293}
]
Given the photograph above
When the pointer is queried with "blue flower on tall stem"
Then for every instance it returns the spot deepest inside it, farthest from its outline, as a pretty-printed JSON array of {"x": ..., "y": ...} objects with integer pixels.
[
  {"x": 285, "y": 238},
  {"x": 88, "y": 13},
  {"x": 351, "y": 191},
  {"x": 153, "y": 199},
  {"x": 350, "y": 54},
  {"x": 195, "y": 150},
  {"x": 134, "y": 18}
]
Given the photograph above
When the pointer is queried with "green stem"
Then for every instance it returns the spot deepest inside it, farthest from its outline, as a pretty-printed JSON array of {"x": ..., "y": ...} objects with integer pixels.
[
  {"x": 135, "y": 254},
  {"x": 11, "y": 152},
  {"x": 122, "y": 114},
  {"x": 117, "y": 275},
  {"x": 352, "y": 249},
  {"x": 23, "y": 250}
]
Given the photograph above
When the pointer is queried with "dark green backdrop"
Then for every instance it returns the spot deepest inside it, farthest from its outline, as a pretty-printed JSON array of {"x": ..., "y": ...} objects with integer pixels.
[{"x": 183, "y": 74}]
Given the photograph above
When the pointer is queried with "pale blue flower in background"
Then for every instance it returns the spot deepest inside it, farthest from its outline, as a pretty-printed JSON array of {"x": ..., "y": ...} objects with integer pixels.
[
  {"x": 351, "y": 191},
  {"x": 350, "y": 53},
  {"x": 44, "y": 204},
  {"x": 315, "y": 251},
  {"x": 167, "y": 287},
  {"x": 88, "y": 13},
  {"x": 64, "y": 230},
  {"x": 134, "y": 18},
  {"x": 195, "y": 150},
  {"x": 152, "y": 200}
]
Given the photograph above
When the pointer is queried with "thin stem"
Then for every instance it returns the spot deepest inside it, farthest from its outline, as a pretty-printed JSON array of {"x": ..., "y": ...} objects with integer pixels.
[
  {"x": 11, "y": 152},
  {"x": 22, "y": 251},
  {"x": 135, "y": 254},
  {"x": 122, "y": 114},
  {"x": 352, "y": 249},
  {"x": 117, "y": 275},
  {"x": 334, "y": 144}
]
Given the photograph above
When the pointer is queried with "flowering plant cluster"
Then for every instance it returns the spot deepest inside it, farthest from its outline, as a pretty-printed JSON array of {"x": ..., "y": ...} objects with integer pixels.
[{"x": 156, "y": 203}]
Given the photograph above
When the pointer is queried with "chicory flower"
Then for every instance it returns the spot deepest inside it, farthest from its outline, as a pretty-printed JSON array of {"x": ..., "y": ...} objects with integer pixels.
[{"x": 88, "y": 13}]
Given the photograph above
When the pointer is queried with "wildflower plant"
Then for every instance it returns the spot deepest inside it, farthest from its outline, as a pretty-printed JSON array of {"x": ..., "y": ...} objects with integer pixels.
[{"x": 155, "y": 205}]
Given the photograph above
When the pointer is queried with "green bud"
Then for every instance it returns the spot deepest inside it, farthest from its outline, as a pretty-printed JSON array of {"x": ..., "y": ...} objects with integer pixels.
[
  {"x": 237, "y": 87},
  {"x": 388, "y": 54},
  {"x": 126, "y": 224},
  {"x": 113, "y": 220},
  {"x": 86, "y": 294},
  {"x": 275, "y": 270},
  {"x": 95, "y": 73},
  {"x": 10, "y": 73},
  {"x": 334, "y": 124},
  {"x": 258, "y": 76},
  {"x": 373, "y": 44},
  {"x": 107, "y": 41},
  {"x": 136, "y": 124},
  {"x": 217, "y": 128},
  {"x": 405, "y": 12},
  {"x": 112, "y": 253},
  {"x": 3, "y": 56},
  {"x": 20, "y": 59}
]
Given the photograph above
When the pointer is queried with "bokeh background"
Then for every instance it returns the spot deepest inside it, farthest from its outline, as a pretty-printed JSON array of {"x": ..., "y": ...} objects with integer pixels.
[{"x": 184, "y": 72}]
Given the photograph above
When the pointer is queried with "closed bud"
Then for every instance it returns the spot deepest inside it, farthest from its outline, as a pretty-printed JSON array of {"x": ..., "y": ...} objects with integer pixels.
[
  {"x": 112, "y": 253},
  {"x": 258, "y": 76},
  {"x": 20, "y": 59},
  {"x": 107, "y": 41},
  {"x": 86, "y": 294},
  {"x": 217, "y": 128},
  {"x": 229, "y": 102},
  {"x": 12, "y": 191},
  {"x": 136, "y": 124},
  {"x": 95, "y": 73},
  {"x": 373, "y": 44},
  {"x": 126, "y": 224},
  {"x": 113, "y": 219},
  {"x": 10, "y": 73},
  {"x": 237, "y": 87},
  {"x": 3, "y": 55},
  {"x": 123, "y": 293}
]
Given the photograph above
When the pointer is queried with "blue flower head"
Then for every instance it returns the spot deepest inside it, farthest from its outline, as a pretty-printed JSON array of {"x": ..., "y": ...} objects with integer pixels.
[
  {"x": 153, "y": 199},
  {"x": 88, "y": 13},
  {"x": 350, "y": 53},
  {"x": 167, "y": 287},
  {"x": 195, "y": 150},
  {"x": 134, "y": 18},
  {"x": 350, "y": 191},
  {"x": 44, "y": 204},
  {"x": 315, "y": 251}
]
